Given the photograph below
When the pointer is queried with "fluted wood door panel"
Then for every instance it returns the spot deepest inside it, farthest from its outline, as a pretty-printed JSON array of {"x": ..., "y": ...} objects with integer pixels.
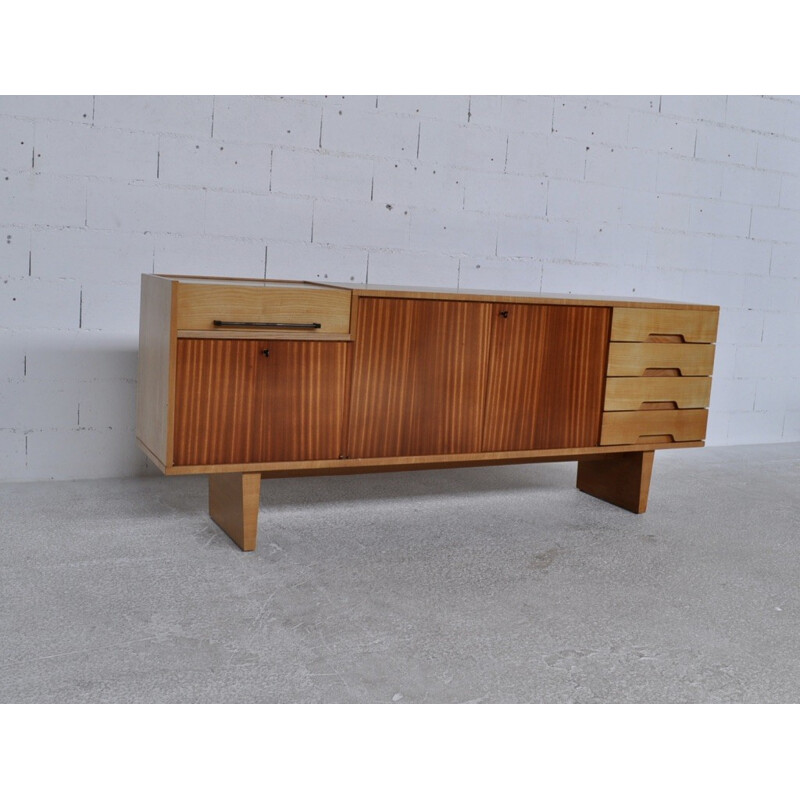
[
  {"x": 418, "y": 377},
  {"x": 302, "y": 399},
  {"x": 546, "y": 373},
  {"x": 236, "y": 405}
]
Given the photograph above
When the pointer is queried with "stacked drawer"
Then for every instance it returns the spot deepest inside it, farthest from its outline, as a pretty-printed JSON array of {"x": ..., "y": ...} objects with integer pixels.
[{"x": 658, "y": 378}]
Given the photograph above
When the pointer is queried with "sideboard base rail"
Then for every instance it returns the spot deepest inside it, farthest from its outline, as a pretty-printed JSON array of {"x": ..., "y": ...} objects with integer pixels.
[{"x": 622, "y": 479}]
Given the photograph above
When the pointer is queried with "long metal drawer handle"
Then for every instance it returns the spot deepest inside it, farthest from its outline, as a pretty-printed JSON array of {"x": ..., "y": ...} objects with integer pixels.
[{"x": 305, "y": 325}]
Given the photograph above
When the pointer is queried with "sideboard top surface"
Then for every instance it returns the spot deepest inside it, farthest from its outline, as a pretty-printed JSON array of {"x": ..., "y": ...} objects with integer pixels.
[{"x": 444, "y": 293}]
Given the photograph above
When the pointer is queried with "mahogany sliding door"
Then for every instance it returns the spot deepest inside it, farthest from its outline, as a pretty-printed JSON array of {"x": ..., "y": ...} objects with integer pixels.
[{"x": 419, "y": 370}]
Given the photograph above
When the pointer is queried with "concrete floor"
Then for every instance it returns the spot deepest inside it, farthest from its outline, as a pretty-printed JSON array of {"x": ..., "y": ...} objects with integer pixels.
[{"x": 489, "y": 585}]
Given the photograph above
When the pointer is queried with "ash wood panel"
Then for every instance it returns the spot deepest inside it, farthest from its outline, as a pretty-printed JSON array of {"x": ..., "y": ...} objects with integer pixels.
[
  {"x": 337, "y": 466},
  {"x": 418, "y": 377},
  {"x": 470, "y": 295},
  {"x": 628, "y": 394},
  {"x": 546, "y": 374},
  {"x": 200, "y": 304},
  {"x": 631, "y": 359},
  {"x": 156, "y": 359},
  {"x": 448, "y": 293},
  {"x": 260, "y": 333},
  {"x": 622, "y": 480},
  {"x": 233, "y": 503},
  {"x": 236, "y": 406},
  {"x": 640, "y": 324},
  {"x": 629, "y": 427}
]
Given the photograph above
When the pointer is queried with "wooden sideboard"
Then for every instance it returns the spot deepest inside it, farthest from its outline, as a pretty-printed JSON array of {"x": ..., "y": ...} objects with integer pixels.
[{"x": 244, "y": 379}]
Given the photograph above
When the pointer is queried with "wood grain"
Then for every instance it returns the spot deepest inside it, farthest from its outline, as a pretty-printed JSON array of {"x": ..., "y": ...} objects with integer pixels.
[
  {"x": 337, "y": 466},
  {"x": 234, "y": 405},
  {"x": 156, "y": 360},
  {"x": 233, "y": 503},
  {"x": 623, "y": 480},
  {"x": 546, "y": 374},
  {"x": 640, "y": 324},
  {"x": 630, "y": 359},
  {"x": 200, "y": 304},
  {"x": 477, "y": 295},
  {"x": 419, "y": 369},
  {"x": 627, "y": 427},
  {"x": 628, "y": 394}
]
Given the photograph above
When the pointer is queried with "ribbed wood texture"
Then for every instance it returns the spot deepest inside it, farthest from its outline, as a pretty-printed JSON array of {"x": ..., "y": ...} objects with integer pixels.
[
  {"x": 418, "y": 379},
  {"x": 234, "y": 405},
  {"x": 546, "y": 372}
]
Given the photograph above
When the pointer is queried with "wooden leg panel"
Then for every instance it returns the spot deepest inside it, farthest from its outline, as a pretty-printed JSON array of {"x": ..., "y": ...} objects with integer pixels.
[
  {"x": 623, "y": 480},
  {"x": 233, "y": 500}
]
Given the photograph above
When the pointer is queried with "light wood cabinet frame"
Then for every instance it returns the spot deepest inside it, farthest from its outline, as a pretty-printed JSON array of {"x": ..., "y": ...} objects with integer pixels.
[{"x": 309, "y": 379}]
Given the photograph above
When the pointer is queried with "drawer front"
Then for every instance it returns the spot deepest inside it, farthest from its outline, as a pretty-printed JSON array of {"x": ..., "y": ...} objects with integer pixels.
[
  {"x": 664, "y": 324},
  {"x": 633, "y": 394},
  {"x": 642, "y": 427},
  {"x": 635, "y": 359},
  {"x": 287, "y": 311}
]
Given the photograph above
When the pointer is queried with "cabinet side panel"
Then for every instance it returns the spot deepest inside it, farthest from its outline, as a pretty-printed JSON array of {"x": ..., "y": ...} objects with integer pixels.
[{"x": 153, "y": 371}]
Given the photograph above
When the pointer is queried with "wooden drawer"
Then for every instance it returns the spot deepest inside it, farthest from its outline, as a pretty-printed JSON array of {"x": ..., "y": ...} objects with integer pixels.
[
  {"x": 630, "y": 394},
  {"x": 636, "y": 359},
  {"x": 640, "y": 427},
  {"x": 273, "y": 311},
  {"x": 664, "y": 324}
]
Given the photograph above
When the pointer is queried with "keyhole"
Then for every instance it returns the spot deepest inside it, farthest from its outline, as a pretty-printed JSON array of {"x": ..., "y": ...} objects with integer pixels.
[
  {"x": 504, "y": 314},
  {"x": 266, "y": 353}
]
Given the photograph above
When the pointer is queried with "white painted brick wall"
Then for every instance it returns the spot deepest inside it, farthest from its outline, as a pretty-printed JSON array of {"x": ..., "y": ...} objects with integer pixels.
[
  {"x": 254, "y": 216},
  {"x": 686, "y": 198},
  {"x": 293, "y": 260},
  {"x": 512, "y": 274},
  {"x": 188, "y": 116},
  {"x": 467, "y": 146},
  {"x": 411, "y": 184},
  {"x": 67, "y": 148},
  {"x": 15, "y": 249},
  {"x": 219, "y": 164},
  {"x": 267, "y": 120},
  {"x": 16, "y": 143},
  {"x": 368, "y": 133},
  {"x": 314, "y": 174}
]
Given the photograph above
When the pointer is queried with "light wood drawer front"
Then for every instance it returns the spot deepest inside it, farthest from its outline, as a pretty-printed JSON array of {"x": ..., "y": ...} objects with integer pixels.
[
  {"x": 200, "y": 305},
  {"x": 640, "y": 427},
  {"x": 628, "y": 394},
  {"x": 652, "y": 324},
  {"x": 629, "y": 359}
]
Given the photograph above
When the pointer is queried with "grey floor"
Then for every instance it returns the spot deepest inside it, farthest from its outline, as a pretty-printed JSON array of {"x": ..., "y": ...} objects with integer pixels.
[{"x": 489, "y": 585}]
